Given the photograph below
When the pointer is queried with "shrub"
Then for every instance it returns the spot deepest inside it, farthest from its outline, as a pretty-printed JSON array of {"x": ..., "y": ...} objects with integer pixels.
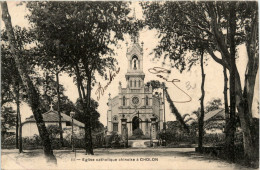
[
  {"x": 9, "y": 140},
  {"x": 53, "y": 131},
  {"x": 109, "y": 139},
  {"x": 32, "y": 142},
  {"x": 79, "y": 143},
  {"x": 214, "y": 139},
  {"x": 117, "y": 141},
  {"x": 177, "y": 138},
  {"x": 138, "y": 132}
]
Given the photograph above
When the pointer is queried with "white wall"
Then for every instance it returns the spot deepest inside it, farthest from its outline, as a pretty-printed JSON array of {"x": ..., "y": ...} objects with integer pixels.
[{"x": 30, "y": 129}]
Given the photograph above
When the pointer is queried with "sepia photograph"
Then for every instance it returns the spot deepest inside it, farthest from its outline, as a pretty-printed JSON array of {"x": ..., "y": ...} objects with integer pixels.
[{"x": 129, "y": 85}]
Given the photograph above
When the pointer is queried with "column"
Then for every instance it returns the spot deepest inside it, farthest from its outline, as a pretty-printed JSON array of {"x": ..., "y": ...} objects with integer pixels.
[
  {"x": 153, "y": 128},
  {"x": 124, "y": 131}
]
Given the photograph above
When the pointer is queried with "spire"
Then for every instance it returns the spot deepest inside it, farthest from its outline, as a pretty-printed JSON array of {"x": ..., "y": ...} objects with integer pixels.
[
  {"x": 135, "y": 35},
  {"x": 134, "y": 15}
]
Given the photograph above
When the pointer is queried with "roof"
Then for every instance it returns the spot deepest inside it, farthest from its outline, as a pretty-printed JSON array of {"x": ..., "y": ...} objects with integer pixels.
[
  {"x": 214, "y": 113},
  {"x": 53, "y": 116}
]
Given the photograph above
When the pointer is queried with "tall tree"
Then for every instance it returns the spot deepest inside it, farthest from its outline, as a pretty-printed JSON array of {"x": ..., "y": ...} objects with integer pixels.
[
  {"x": 32, "y": 92},
  {"x": 84, "y": 32},
  {"x": 201, "y": 117},
  {"x": 156, "y": 85},
  {"x": 96, "y": 124},
  {"x": 11, "y": 79},
  {"x": 175, "y": 111}
]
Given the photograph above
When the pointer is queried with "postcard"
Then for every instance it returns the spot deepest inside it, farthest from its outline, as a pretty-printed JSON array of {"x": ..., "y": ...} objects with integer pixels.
[{"x": 129, "y": 85}]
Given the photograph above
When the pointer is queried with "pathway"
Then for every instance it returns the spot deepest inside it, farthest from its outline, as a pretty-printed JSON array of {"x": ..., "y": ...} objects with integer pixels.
[{"x": 146, "y": 158}]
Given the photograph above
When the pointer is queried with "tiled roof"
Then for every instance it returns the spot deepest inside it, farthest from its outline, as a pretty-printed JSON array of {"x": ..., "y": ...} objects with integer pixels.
[
  {"x": 214, "y": 113},
  {"x": 53, "y": 116}
]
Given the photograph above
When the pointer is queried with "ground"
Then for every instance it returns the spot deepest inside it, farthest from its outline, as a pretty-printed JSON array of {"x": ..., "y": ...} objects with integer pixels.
[{"x": 145, "y": 158}]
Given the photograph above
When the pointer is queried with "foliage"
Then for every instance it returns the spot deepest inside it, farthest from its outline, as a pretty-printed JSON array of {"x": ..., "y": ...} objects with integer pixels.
[
  {"x": 144, "y": 137},
  {"x": 214, "y": 104},
  {"x": 96, "y": 124},
  {"x": 138, "y": 132},
  {"x": 80, "y": 36},
  {"x": 9, "y": 141},
  {"x": 175, "y": 137},
  {"x": 10, "y": 77},
  {"x": 175, "y": 111},
  {"x": 77, "y": 36},
  {"x": 154, "y": 83},
  {"x": 109, "y": 139},
  {"x": 53, "y": 130},
  {"x": 218, "y": 27},
  {"x": 8, "y": 116},
  {"x": 117, "y": 141}
]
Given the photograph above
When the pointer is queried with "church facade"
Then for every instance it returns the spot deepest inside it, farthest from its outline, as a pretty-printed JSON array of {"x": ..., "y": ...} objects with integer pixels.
[{"x": 135, "y": 106}]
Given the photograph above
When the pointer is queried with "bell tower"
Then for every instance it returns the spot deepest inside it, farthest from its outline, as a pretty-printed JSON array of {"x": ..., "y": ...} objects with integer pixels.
[{"x": 135, "y": 75}]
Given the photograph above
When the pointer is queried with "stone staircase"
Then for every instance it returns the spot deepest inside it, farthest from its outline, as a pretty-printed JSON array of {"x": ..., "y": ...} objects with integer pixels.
[{"x": 139, "y": 143}]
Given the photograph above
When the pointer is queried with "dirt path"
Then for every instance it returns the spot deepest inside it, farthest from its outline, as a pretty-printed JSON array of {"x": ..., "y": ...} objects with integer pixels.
[{"x": 158, "y": 158}]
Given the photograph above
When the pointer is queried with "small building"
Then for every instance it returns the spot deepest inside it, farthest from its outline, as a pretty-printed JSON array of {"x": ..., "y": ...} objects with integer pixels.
[
  {"x": 29, "y": 127},
  {"x": 214, "y": 121}
]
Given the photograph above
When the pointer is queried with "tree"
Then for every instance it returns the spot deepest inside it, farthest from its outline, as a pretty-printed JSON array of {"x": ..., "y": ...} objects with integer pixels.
[
  {"x": 175, "y": 111},
  {"x": 12, "y": 87},
  {"x": 154, "y": 83},
  {"x": 201, "y": 118},
  {"x": 213, "y": 104},
  {"x": 33, "y": 95},
  {"x": 224, "y": 25},
  {"x": 96, "y": 124},
  {"x": 157, "y": 84},
  {"x": 81, "y": 32},
  {"x": 8, "y": 118}
]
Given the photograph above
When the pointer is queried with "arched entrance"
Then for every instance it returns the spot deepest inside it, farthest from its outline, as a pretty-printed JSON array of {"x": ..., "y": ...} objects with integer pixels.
[{"x": 135, "y": 123}]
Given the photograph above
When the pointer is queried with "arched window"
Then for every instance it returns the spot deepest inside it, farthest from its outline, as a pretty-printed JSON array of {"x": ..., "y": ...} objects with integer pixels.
[
  {"x": 139, "y": 83},
  {"x": 135, "y": 60},
  {"x": 147, "y": 100},
  {"x": 135, "y": 64},
  {"x": 135, "y": 83},
  {"x": 130, "y": 83},
  {"x": 123, "y": 100}
]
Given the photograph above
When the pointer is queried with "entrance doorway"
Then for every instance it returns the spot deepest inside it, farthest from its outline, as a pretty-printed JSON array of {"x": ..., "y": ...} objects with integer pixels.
[{"x": 135, "y": 122}]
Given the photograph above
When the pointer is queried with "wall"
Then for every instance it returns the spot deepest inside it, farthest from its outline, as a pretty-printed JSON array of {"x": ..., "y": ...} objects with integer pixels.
[{"x": 29, "y": 129}]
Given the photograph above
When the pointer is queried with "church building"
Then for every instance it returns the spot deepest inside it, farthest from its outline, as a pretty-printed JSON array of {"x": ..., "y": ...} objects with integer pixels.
[{"x": 135, "y": 106}]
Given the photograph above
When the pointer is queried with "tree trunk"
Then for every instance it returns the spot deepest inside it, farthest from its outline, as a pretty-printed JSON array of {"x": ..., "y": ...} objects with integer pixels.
[
  {"x": 225, "y": 94},
  {"x": 175, "y": 111},
  {"x": 243, "y": 101},
  {"x": 251, "y": 136},
  {"x": 88, "y": 126},
  {"x": 17, "y": 118},
  {"x": 20, "y": 134},
  {"x": 249, "y": 141},
  {"x": 58, "y": 93},
  {"x": 20, "y": 124},
  {"x": 201, "y": 117},
  {"x": 33, "y": 95},
  {"x": 87, "y": 122},
  {"x": 231, "y": 125}
]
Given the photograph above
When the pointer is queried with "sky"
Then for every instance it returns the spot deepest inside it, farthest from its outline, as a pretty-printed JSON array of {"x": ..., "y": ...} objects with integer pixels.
[{"x": 214, "y": 81}]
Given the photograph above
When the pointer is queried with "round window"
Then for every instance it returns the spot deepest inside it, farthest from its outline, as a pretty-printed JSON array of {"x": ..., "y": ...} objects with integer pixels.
[{"x": 135, "y": 100}]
